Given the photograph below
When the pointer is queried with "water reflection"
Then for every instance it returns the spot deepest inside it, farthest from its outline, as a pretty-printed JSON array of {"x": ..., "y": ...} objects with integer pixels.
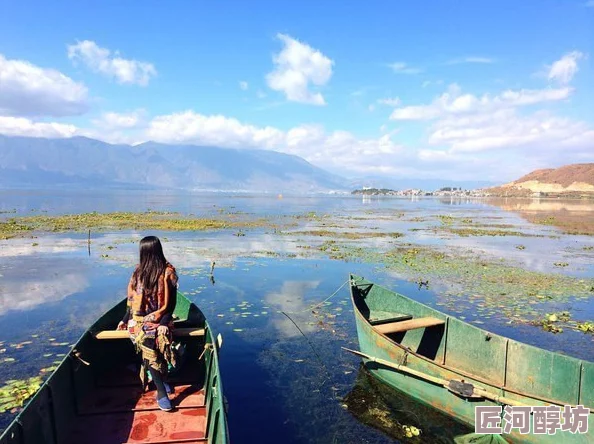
[
  {"x": 383, "y": 408},
  {"x": 291, "y": 299},
  {"x": 571, "y": 216},
  {"x": 59, "y": 291},
  {"x": 46, "y": 280},
  {"x": 38, "y": 246}
]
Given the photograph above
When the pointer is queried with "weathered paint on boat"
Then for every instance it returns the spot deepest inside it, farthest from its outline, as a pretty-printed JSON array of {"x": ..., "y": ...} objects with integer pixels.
[
  {"x": 460, "y": 351},
  {"x": 70, "y": 407}
]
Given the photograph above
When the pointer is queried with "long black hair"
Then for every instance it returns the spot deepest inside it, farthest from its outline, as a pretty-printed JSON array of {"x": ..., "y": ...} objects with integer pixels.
[{"x": 152, "y": 263}]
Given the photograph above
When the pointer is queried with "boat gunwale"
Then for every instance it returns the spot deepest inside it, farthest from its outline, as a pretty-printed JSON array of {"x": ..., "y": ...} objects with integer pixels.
[
  {"x": 446, "y": 367},
  {"x": 89, "y": 331}
]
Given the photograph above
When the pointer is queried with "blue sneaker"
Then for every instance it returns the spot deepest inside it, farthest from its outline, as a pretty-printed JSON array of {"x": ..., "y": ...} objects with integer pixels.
[{"x": 164, "y": 404}]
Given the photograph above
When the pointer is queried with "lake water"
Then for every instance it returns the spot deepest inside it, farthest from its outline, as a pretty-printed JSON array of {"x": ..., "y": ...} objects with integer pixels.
[{"x": 280, "y": 385}]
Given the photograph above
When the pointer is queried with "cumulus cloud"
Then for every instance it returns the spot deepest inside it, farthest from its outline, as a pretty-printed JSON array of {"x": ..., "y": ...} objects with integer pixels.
[
  {"x": 404, "y": 68},
  {"x": 337, "y": 149},
  {"x": 492, "y": 131},
  {"x": 296, "y": 67},
  {"x": 101, "y": 60},
  {"x": 565, "y": 68},
  {"x": 115, "y": 121},
  {"x": 28, "y": 90},
  {"x": 507, "y": 129},
  {"x": 453, "y": 102},
  {"x": 21, "y": 126}
]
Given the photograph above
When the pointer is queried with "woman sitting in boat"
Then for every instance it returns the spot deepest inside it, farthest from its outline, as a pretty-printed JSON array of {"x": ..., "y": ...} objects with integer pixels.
[{"x": 152, "y": 292}]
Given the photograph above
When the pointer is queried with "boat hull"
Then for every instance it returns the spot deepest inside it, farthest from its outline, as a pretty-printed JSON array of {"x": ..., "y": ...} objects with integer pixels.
[
  {"x": 441, "y": 364},
  {"x": 87, "y": 398}
]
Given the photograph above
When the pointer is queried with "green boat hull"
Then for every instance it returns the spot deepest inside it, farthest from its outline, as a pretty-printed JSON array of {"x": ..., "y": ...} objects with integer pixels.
[
  {"x": 52, "y": 414},
  {"x": 459, "y": 351}
]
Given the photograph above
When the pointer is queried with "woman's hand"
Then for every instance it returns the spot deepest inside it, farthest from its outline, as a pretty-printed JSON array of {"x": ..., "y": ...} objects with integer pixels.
[
  {"x": 162, "y": 330},
  {"x": 121, "y": 326}
]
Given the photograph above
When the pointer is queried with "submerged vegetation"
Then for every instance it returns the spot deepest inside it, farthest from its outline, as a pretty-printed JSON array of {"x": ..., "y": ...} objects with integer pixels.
[
  {"x": 468, "y": 281},
  {"x": 149, "y": 220},
  {"x": 346, "y": 234}
]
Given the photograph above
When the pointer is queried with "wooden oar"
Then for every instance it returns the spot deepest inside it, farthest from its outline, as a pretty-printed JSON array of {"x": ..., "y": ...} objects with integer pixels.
[{"x": 476, "y": 391}]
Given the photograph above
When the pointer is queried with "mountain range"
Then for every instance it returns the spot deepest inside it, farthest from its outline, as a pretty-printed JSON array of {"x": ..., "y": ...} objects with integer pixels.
[
  {"x": 35, "y": 162},
  {"x": 79, "y": 161}
]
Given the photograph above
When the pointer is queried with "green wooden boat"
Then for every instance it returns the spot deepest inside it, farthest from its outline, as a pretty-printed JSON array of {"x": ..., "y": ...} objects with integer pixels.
[
  {"x": 455, "y": 367},
  {"x": 95, "y": 396}
]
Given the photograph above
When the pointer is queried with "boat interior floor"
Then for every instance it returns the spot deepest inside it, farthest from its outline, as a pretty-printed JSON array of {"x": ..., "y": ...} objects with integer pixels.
[{"x": 118, "y": 411}]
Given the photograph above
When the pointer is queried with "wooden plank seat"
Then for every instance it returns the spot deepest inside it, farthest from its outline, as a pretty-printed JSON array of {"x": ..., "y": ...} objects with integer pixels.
[
  {"x": 123, "y": 334},
  {"x": 411, "y": 324}
]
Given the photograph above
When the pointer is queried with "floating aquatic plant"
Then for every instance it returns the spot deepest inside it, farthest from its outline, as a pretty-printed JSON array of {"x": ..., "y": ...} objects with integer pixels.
[{"x": 15, "y": 392}]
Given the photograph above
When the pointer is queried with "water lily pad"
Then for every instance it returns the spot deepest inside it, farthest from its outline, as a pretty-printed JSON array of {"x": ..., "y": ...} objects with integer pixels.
[{"x": 15, "y": 392}]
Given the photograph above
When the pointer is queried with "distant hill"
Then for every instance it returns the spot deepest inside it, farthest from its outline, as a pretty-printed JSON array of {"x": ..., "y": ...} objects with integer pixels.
[
  {"x": 568, "y": 180},
  {"x": 37, "y": 162}
]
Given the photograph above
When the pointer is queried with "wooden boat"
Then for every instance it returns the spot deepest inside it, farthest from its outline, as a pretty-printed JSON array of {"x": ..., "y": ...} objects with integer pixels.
[
  {"x": 455, "y": 367},
  {"x": 95, "y": 396}
]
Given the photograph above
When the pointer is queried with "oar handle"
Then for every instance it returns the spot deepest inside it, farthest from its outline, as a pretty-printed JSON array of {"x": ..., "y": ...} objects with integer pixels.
[{"x": 439, "y": 381}]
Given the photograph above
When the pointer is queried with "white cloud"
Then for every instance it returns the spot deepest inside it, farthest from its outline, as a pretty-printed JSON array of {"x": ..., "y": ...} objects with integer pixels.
[
  {"x": 565, "y": 68},
  {"x": 481, "y": 60},
  {"x": 116, "y": 121},
  {"x": 101, "y": 60},
  {"x": 28, "y": 90},
  {"x": 403, "y": 68},
  {"x": 453, "y": 102},
  {"x": 243, "y": 85},
  {"x": 21, "y": 126},
  {"x": 465, "y": 147},
  {"x": 506, "y": 129},
  {"x": 215, "y": 130},
  {"x": 296, "y": 67},
  {"x": 339, "y": 149},
  {"x": 390, "y": 101}
]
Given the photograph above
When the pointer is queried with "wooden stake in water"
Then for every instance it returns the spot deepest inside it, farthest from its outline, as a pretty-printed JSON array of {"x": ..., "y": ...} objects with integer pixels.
[{"x": 89, "y": 242}]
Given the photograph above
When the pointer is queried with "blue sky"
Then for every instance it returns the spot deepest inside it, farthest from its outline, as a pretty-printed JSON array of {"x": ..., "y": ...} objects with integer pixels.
[{"x": 458, "y": 90}]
